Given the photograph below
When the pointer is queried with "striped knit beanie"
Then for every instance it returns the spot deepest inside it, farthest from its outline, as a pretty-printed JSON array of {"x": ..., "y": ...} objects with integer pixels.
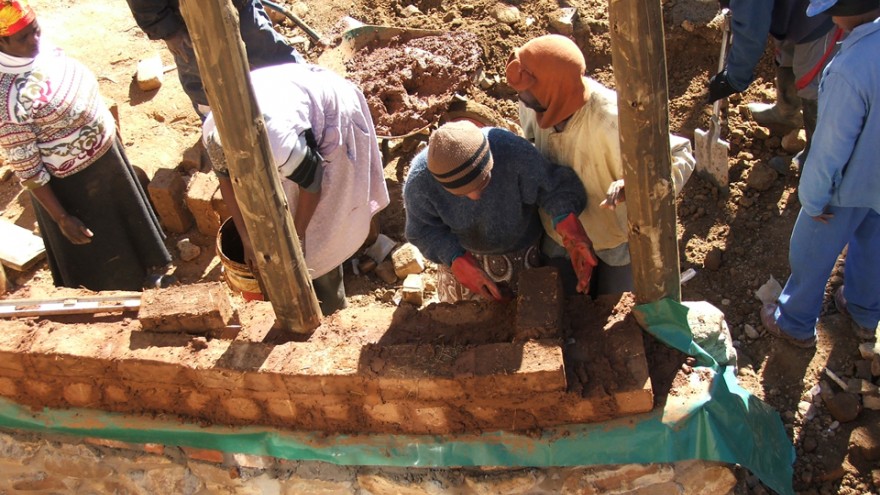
[
  {"x": 15, "y": 15},
  {"x": 459, "y": 157}
]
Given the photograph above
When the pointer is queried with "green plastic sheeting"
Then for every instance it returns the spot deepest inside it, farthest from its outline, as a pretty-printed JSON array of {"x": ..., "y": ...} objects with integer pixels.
[{"x": 725, "y": 424}]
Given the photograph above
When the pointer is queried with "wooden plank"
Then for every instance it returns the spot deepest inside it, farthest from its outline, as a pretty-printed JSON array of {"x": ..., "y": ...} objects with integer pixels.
[
  {"x": 15, "y": 308},
  {"x": 638, "y": 56},
  {"x": 20, "y": 249},
  {"x": 213, "y": 27}
]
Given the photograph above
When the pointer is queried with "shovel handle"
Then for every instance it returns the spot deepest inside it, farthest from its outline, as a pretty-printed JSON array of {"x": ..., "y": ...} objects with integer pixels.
[{"x": 722, "y": 59}]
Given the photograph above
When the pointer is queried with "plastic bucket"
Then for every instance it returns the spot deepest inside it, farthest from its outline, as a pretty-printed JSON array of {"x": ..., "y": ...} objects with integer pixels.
[{"x": 237, "y": 274}]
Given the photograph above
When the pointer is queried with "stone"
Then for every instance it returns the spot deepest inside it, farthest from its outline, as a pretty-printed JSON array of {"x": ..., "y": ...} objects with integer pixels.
[
  {"x": 506, "y": 14},
  {"x": 711, "y": 332},
  {"x": 751, "y": 332},
  {"x": 761, "y": 132},
  {"x": 563, "y": 20},
  {"x": 697, "y": 478},
  {"x": 413, "y": 289},
  {"x": 188, "y": 251},
  {"x": 865, "y": 442},
  {"x": 869, "y": 350},
  {"x": 761, "y": 177},
  {"x": 794, "y": 141},
  {"x": 507, "y": 482},
  {"x": 410, "y": 11},
  {"x": 713, "y": 258},
  {"x": 168, "y": 194},
  {"x": 810, "y": 444},
  {"x": 407, "y": 259},
  {"x": 844, "y": 406},
  {"x": 871, "y": 402},
  {"x": 150, "y": 73}
]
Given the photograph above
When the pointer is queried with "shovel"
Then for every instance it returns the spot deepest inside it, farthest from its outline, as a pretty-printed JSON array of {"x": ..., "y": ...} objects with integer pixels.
[{"x": 712, "y": 151}]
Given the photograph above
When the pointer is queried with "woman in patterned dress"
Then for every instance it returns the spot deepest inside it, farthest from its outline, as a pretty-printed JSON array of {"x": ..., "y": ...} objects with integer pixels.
[{"x": 60, "y": 139}]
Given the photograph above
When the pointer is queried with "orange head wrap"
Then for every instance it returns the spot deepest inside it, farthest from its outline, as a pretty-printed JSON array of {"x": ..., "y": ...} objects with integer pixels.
[
  {"x": 15, "y": 15},
  {"x": 552, "y": 68}
]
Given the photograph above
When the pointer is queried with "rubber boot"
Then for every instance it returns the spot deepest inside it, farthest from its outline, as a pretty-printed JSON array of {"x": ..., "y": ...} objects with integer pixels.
[
  {"x": 784, "y": 115},
  {"x": 811, "y": 113}
]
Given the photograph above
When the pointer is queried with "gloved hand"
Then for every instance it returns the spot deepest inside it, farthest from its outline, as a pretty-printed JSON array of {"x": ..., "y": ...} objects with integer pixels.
[
  {"x": 719, "y": 87},
  {"x": 468, "y": 274},
  {"x": 180, "y": 45},
  {"x": 75, "y": 231},
  {"x": 580, "y": 250}
]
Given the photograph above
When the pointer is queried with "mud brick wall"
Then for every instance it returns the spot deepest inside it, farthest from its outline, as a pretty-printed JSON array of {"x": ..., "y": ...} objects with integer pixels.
[
  {"x": 70, "y": 465},
  {"x": 358, "y": 387}
]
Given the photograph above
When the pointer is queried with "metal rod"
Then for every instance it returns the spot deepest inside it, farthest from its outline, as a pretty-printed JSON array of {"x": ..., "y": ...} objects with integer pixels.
[{"x": 296, "y": 20}]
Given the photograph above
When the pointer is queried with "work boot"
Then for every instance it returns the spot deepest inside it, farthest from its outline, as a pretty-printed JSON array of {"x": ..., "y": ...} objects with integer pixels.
[
  {"x": 784, "y": 115},
  {"x": 811, "y": 113}
]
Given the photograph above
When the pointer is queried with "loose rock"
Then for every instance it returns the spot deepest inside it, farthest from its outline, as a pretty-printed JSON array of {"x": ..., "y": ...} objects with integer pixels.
[
  {"x": 188, "y": 250},
  {"x": 761, "y": 177}
]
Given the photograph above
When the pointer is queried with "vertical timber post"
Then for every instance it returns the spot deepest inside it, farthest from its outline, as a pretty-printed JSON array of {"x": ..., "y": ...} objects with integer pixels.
[
  {"x": 214, "y": 29},
  {"x": 638, "y": 55}
]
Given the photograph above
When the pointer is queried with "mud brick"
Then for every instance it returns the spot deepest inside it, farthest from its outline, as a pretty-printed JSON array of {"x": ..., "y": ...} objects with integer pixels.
[
  {"x": 206, "y": 455},
  {"x": 14, "y": 343},
  {"x": 195, "y": 308},
  {"x": 168, "y": 192},
  {"x": 192, "y": 158},
  {"x": 539, "y": 304},
  {"x": 407, "y": 259},
  {"x": 413, "y": 289},
  {"x": 150, "y": 73},
  {"x": 385, "y": 271},
  {"x": 220, "y": 206},
  {"x": 198, "y": 199},
  {"x": 428, "y": 373}
]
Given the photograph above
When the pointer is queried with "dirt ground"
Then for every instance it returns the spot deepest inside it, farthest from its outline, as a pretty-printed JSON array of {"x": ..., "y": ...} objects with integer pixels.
[{"x": 734, "y": 243}]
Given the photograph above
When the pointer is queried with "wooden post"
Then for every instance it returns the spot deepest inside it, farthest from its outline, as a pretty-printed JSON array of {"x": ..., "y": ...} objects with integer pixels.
[
  {"x": 638, "y": 55},
  {"x": 213, "y": 27}
]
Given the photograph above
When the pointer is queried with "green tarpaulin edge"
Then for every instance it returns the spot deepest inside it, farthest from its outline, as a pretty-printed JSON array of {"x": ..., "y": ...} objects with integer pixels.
[{"x": 727, "y": 424}]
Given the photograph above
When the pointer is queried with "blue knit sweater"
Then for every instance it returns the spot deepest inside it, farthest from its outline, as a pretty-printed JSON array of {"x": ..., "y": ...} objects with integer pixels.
[{"x": 505, "y": 218}]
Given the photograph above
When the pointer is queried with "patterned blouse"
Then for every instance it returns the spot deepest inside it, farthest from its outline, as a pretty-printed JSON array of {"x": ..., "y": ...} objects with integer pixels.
[{"x": 53, "y": 120}]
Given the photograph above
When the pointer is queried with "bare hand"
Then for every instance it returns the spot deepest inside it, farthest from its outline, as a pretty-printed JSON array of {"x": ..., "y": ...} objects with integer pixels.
[
  {"x": 615, "y": 195},
  {"x": 75, "y": 231},
  {"x": 823, "y": 217}
]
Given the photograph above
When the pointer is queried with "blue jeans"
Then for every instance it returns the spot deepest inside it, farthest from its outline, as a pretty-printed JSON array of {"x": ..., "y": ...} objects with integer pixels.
[
  {"x": 814, "y": 249},
  {"x": 263, "y": 44}
]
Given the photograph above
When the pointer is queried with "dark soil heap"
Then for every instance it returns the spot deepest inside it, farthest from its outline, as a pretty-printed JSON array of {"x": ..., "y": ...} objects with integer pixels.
[{"x": 408, "y": 85}]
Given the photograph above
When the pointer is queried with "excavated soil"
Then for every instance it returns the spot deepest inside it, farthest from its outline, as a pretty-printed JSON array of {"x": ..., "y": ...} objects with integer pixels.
[
  {"x": 409, "y": 84},
  {"x": 734, "y": 243}
]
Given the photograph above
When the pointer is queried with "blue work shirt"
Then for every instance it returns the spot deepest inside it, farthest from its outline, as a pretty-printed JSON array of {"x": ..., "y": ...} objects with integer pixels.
[
  {"x": 753, "y": 20},
  {"x": 843, "y": 167}
]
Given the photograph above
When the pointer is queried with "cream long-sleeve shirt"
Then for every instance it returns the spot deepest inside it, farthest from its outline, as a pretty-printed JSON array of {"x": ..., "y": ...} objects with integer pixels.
[{"x": 590, "y": 145}]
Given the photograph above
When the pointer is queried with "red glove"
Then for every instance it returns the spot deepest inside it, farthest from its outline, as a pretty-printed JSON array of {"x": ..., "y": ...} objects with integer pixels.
[
  {"x": 468, "y": 274},
  {"x": 579, "y": 248}
]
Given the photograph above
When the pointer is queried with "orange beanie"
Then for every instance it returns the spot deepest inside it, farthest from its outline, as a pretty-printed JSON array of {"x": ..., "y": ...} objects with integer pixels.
[
  {"x": 552, "y": 68},
  {"x": 15, "y": 15}
]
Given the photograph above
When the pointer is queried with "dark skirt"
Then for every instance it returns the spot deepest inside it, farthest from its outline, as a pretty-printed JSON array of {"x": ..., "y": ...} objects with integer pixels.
[{"x": 108, "y": 198}]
